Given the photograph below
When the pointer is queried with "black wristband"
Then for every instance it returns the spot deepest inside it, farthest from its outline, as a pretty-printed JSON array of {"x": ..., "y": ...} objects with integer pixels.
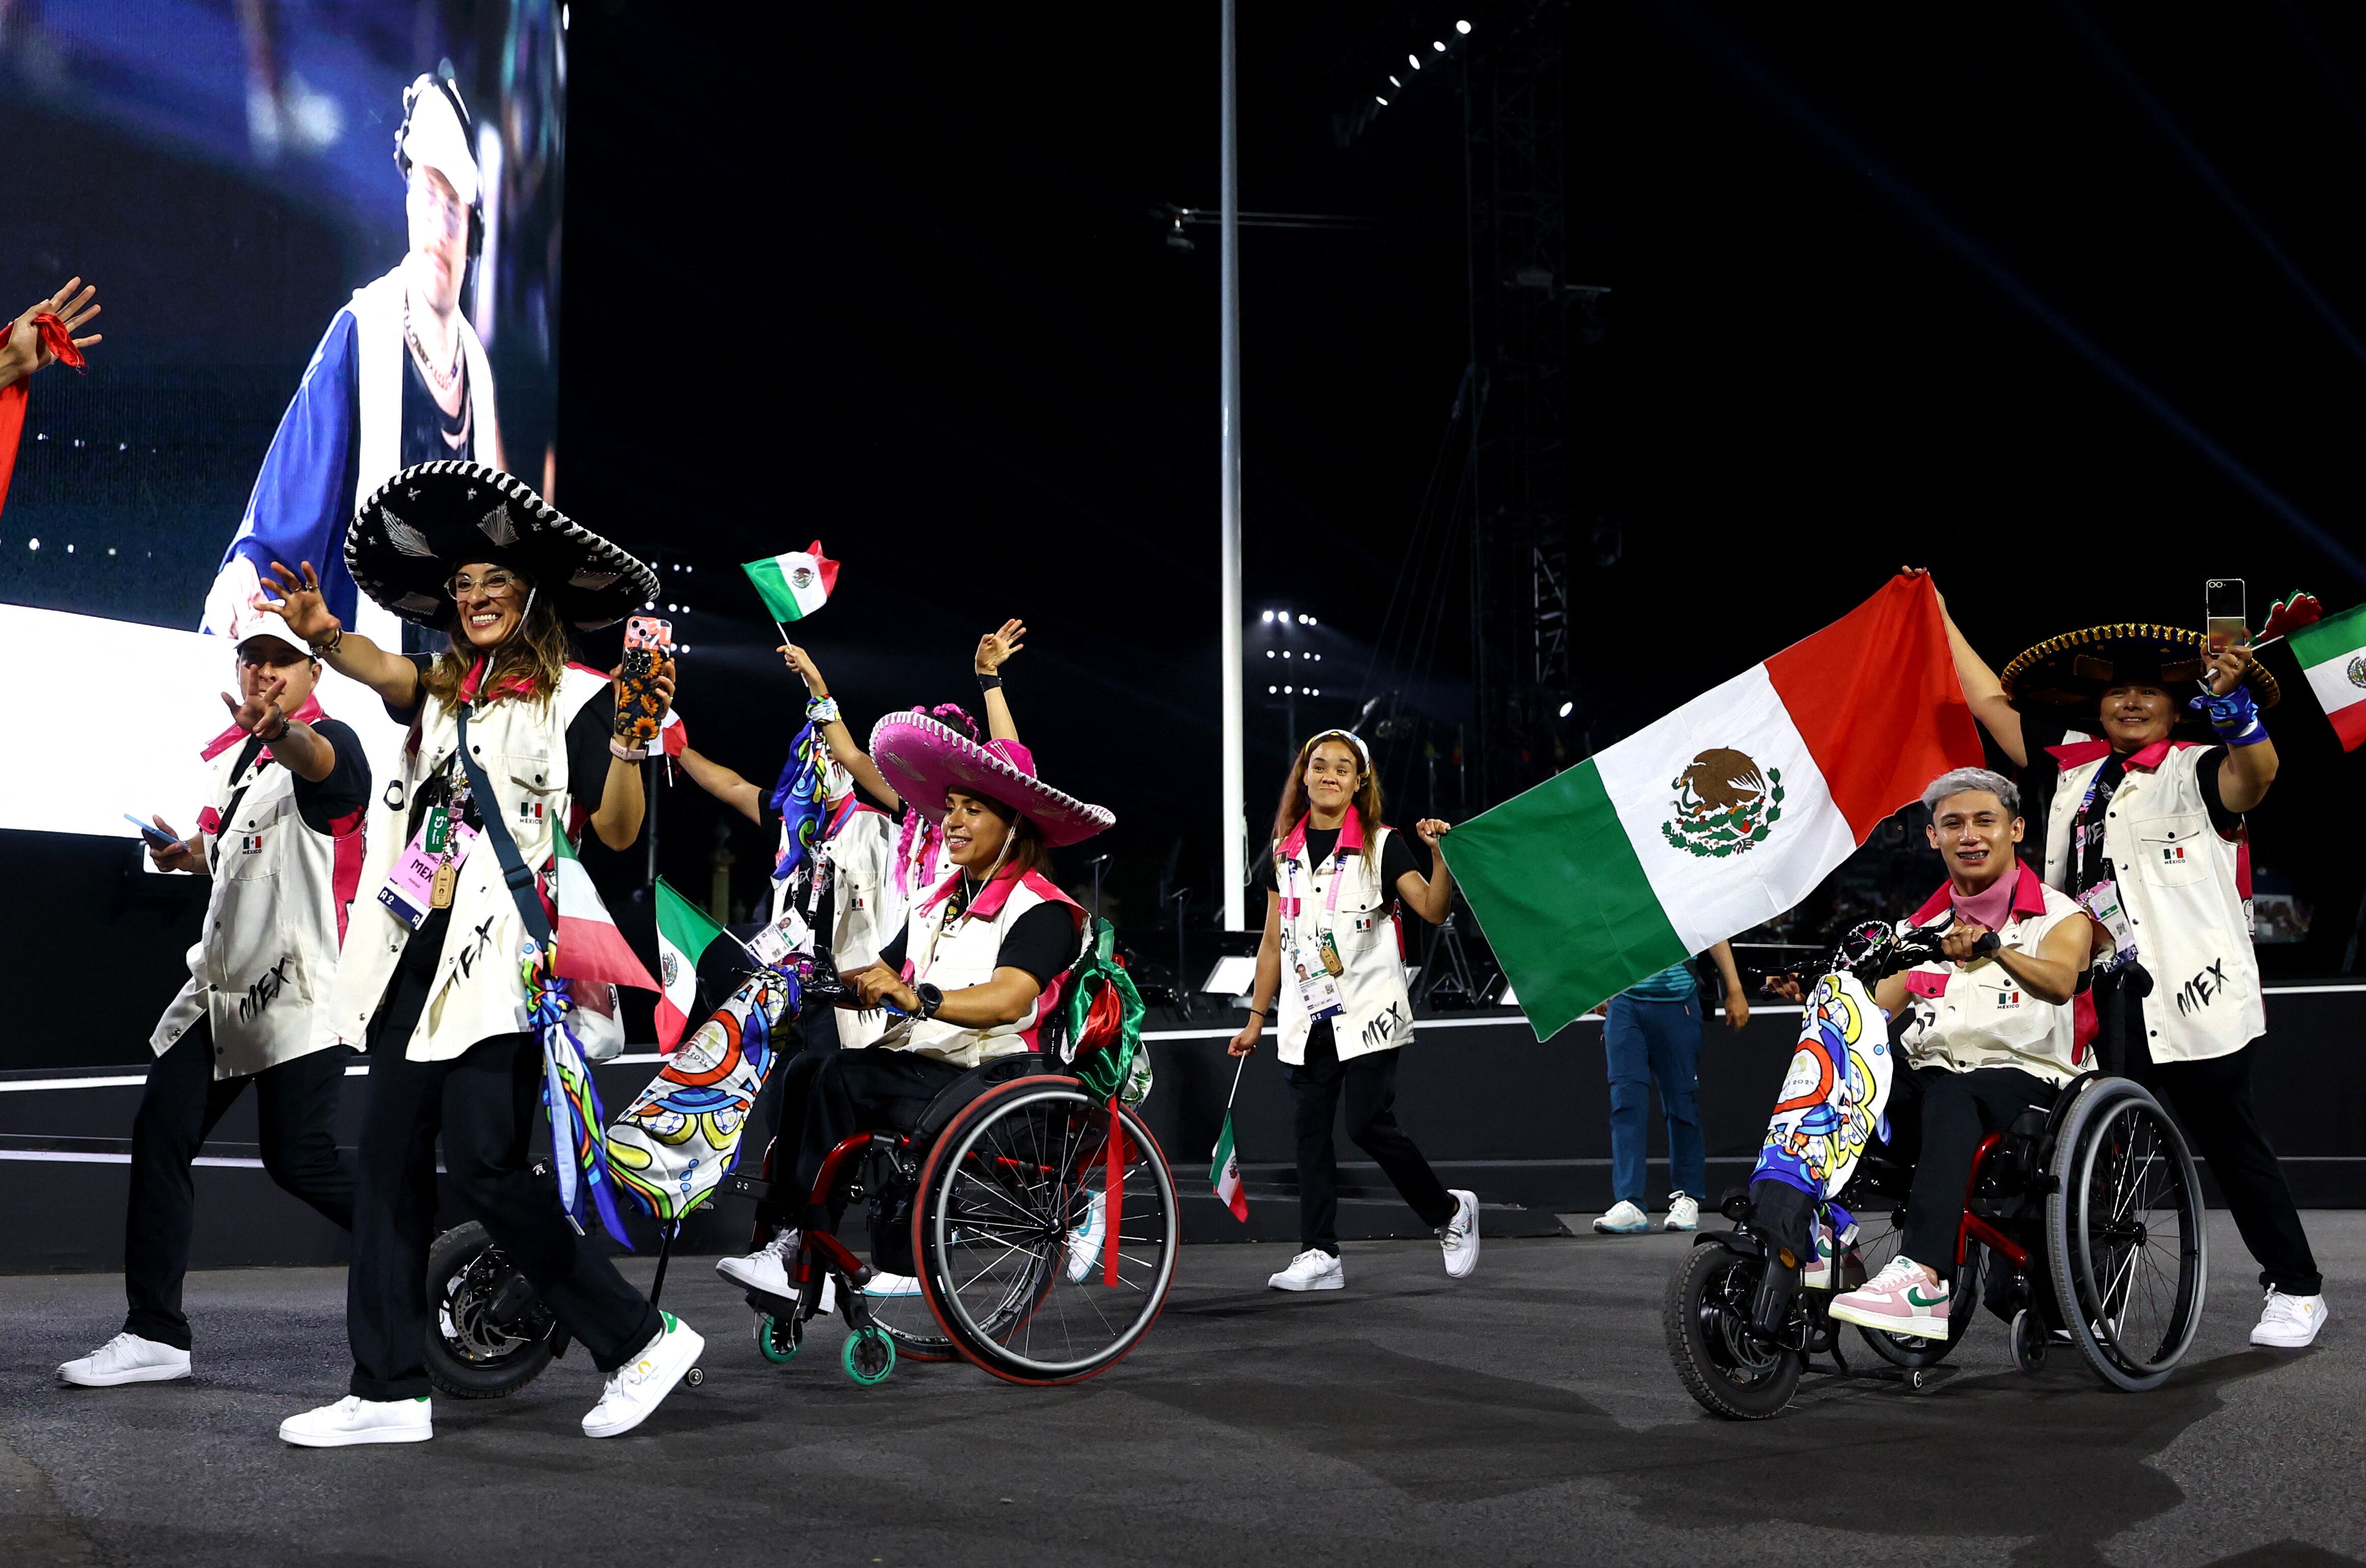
[{"x": 989, "y": 683}]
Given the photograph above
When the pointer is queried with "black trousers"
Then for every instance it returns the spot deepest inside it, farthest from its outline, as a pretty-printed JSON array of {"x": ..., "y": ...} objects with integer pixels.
[
  {"x": 483, "y": 1103},
  {"x": 2212, "y": 1101},
  {"x": 295, "y": 1106},
  {"x": 1937, "y": 1119},
  {"x": 846, "y": 1093},
  {"x": 781, "y": 1106},
  {"x": 1369, "y": 1083}
]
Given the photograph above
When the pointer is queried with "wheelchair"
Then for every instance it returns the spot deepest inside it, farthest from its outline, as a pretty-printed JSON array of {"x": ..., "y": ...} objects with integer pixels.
[
  {"x": 2083, "y": 1226},
  {"x": 1038, "y": 1219}
]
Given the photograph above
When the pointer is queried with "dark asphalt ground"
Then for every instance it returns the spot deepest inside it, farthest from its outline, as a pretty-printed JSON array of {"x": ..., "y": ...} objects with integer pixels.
[{"x": 1526, "y": 1415}]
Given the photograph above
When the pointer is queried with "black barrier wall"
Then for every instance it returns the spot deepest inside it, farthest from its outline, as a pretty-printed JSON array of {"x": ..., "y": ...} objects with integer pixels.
[{"x": 1523, "y": 1125}]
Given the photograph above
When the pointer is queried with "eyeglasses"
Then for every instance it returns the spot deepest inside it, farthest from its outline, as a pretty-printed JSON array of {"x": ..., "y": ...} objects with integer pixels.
[{"x": 494, "y": 585}]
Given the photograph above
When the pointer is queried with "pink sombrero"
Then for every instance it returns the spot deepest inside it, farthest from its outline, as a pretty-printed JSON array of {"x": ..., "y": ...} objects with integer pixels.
[{"x": 922, "y": 760}]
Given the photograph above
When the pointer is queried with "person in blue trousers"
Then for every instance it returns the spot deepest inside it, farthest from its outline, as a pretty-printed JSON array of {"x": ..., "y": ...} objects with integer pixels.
[{"x": 1651, "y": 1034}]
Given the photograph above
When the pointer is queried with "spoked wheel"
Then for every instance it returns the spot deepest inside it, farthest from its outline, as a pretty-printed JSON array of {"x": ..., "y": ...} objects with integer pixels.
[
  {"x": 2124, "y": 1234},
  {"x": 1035, "y": 1264},
  {"x": 481, "y": 1343},
  {"x": 1876, "y": 1243},
  {"x": 1720, "y": 1363}
]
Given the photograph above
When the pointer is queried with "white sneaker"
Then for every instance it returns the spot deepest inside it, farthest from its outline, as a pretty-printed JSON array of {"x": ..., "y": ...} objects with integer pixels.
[
  {"x": 767, "y": 1267},
  {"x": 353, "y": 1419},
  {"x": 640, "y": 1385},
  {"x": 1312, "y": 1270},
  {"x": 882, "y": 1283},
  {"x": 1624, "y": 1219},
  {"x": 127, "y": 1358},
  {"x": 2289, "y": 1322},
  {"x": 1460, "y": 1235},
  {"x": 1684, "y": 1213},
  {"x": 1085, "y": 1241}
]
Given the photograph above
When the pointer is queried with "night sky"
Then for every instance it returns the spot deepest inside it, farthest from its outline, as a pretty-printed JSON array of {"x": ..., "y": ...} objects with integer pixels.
[{"x": 2067, "y": 305}]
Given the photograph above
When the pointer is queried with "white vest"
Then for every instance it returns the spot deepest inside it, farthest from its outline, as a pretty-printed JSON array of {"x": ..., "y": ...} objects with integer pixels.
[
  {"x": 379, "y": 355},
  {"x": 1378, "y": 1010},
  {"x": 957, "y": 956},
  {"x": 865, "y": 912},
  {"x": 479, "y": 991},
  {"x": 2190, "y": 920},
  {"x": 262, "y": 970},
  {"x": 1966, "y": 1016}
]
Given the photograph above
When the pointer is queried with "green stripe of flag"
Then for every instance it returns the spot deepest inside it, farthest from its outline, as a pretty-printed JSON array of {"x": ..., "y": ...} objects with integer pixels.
[
  {"x": 772, "y": 587},
  {"x": 2330, "y": 638},
  {"x": 1561, "y": 896}
]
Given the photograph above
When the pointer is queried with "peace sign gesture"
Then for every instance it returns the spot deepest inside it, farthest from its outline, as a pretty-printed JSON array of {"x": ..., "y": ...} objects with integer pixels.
[{"x": 300, "y": 604}]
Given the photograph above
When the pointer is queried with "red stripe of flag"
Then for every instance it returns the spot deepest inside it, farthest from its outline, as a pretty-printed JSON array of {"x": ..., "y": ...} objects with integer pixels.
[{"x": 1876, "y": 698}]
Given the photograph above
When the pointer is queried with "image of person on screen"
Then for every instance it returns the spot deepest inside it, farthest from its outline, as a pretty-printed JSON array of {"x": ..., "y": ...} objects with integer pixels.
[{"x": 399, "y": 378}]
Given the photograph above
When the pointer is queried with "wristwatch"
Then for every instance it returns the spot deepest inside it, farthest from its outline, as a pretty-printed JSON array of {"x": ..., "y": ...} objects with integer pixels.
[{"x": 931, "y": 999}]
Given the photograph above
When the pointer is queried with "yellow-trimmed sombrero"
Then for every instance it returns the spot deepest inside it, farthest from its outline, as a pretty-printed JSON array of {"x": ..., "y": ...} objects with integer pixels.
[{"x": 2074, "y": 669}]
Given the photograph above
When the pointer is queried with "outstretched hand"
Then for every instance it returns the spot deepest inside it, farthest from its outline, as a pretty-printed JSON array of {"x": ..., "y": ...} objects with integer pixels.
[
  {"x": 300, "y": 602},
  {"x": 261, "y": 710},
  {"x": 25, "y": 353},
  {"x": 997, "y": 647}
]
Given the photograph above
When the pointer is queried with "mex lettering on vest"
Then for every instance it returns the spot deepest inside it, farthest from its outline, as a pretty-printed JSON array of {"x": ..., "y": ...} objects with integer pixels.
[
  {"x": 265, "y": 991},
  {"x": 2198, "y": 992},
  {"x": 1385, "y": 1025}
]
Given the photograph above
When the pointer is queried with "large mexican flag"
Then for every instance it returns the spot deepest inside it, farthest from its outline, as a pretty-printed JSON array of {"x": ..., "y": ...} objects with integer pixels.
[{"x": 1720, "y": 816}]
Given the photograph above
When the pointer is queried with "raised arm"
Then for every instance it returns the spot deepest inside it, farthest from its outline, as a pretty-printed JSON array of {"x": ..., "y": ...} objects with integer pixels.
[
  {"x": 296, "y": 745},
  {"x": 722, "y": 783},
  {"x": 2250, "y": 762},
  {"x": 25, "y": 350},
  {"x": 390, "y": 675},
  {"x": 623, "y": 802},
  {"x": 993, "y": 651},
  {"x": 851, "y": 757},
  {"x": 1984, "y": 692}
]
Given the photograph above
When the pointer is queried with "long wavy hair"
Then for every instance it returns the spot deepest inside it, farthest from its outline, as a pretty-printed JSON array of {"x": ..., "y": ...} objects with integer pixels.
[
  {"x": 1367, "y": 801},
  {"x": 534, "y": 656}
]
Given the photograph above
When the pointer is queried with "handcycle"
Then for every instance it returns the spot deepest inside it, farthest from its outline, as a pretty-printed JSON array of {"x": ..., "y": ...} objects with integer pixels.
[
  {"x": 2082, "y": 1225},
  {"x": 1042, "y": 1248}
]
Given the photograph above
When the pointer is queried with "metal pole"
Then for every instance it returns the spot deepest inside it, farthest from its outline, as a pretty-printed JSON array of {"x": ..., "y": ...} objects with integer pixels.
[{"x": 1237, "y": 864}]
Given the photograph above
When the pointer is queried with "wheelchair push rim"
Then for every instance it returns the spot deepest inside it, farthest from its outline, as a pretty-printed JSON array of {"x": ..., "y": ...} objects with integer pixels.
[
  {"x": 1877, "y": 1242},
  {"x": 1014, "y": 1232},
  {"x": 2127, "y": 1233}
]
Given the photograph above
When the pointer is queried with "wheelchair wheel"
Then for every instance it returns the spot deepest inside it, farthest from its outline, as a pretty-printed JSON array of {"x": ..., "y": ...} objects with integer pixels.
[
  {"x": 1729, "y": 1372},
  {"x": 1876, "y": 1243},
  {"x": 1014, "y": 1232},
  {"x": 479, "y": 1345},
  {"x": 2124, "y": 1234}
]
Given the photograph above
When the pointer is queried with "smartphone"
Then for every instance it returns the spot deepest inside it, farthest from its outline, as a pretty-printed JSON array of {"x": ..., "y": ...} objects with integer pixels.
[
  {"x": 152, "y": 833},
  {"x": 2224, "y": 618},
  {"x": 639, "y": 714}
]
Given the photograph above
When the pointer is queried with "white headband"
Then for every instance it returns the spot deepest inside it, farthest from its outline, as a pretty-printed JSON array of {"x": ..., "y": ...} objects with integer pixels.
[{"x": 1363, "y": 753}]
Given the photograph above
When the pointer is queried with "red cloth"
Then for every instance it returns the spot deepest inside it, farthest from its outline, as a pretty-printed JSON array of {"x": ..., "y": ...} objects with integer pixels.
[{"x": 59, "y": 343}]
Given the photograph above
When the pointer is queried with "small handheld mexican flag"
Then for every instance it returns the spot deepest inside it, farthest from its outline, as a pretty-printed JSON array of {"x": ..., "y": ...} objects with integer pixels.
[
  {"x": 1225, "y": 1174},
  {"x": 2332, "y": 654},
  {"x": 685, "y": 934},
  {"x": 795, "y": 585}
]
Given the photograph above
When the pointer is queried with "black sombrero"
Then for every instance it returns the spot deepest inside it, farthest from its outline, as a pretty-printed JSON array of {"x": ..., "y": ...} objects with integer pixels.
[
  {"x": 422, "y": 524},
  {"x": 2076, "y": 667}
]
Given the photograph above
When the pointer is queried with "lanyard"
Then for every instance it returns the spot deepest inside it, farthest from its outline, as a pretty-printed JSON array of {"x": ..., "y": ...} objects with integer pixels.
[
  {"x": 1291, "y": 902},
  {"x": 2079, "y": 828}
]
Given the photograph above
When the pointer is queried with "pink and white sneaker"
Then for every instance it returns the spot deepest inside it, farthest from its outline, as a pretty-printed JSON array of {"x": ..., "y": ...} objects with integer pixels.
[{"x": 1899, "y": 1300}]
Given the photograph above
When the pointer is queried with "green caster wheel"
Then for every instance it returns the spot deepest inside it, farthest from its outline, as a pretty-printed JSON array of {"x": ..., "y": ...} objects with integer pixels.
[
  {"x": 869, "y": 1356},
  {"x": 776, "y": 1340}
]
